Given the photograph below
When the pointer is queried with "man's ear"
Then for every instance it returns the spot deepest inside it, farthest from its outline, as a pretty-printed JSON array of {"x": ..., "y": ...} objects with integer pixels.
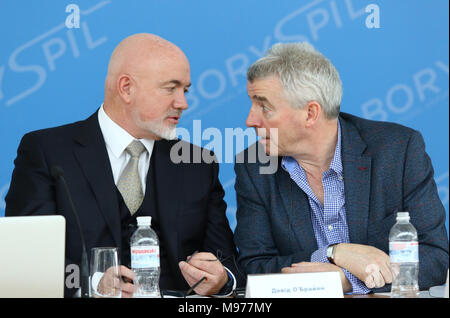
[
  {"x": 313, "y": 110},
  {"x": 125, "y": 88}
]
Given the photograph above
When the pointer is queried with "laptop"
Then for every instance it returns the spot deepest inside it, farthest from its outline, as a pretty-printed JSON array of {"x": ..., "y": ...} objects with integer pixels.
[{"x": 32, "y": 256}]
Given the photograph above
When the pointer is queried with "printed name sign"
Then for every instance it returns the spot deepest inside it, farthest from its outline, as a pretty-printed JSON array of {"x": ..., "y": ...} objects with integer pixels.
[{"x": 294, "y": 285}]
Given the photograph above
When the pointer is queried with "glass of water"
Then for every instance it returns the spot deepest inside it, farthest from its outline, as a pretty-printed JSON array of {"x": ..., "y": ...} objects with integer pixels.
[{"x": 105, "y": 279}]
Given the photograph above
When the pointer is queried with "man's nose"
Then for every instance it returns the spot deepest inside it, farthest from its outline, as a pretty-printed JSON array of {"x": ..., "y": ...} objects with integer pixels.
[
  {"x": 253, "y": 119},
  {"x": 180, "y": 101}
]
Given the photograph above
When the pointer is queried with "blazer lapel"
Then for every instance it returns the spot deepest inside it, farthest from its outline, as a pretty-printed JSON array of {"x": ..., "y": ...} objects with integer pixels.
[
  {"x": 93, "y": 158},
  {"x": 168, "y": 178},
  {"x": 357, "y": 172},
  {"x": 297, "y": 207}
]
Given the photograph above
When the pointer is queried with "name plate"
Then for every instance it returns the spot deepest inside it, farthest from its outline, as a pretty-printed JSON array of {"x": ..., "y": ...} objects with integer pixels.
[{"x": 294, "y": 285}]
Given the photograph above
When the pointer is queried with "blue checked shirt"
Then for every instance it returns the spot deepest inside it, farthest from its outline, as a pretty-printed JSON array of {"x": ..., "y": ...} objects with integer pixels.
[{"x": 329, "y": 220}]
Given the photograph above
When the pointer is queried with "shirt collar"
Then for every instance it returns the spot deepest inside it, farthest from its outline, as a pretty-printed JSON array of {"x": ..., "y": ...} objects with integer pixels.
[
  {"x": 336, "y": 163},
  {"x": 117, "y": 138}
]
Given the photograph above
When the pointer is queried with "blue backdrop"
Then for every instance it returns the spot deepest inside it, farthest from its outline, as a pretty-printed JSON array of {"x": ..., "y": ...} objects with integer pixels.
[{"x": 52, "y": 75}]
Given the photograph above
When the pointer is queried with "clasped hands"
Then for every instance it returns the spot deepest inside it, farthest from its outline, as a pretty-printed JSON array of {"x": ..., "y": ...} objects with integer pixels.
[{"x": 367, "y": 263}]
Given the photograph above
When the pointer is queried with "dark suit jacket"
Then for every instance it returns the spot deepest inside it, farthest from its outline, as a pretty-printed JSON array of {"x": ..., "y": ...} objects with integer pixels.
[
  {"x": 386, "y": 169},
  {"x": 189, "y": 195}
]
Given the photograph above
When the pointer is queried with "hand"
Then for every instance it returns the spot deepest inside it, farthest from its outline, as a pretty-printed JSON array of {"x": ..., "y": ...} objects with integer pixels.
[
  {"x": 369, "y": 264},
  {"x": 204, "y": 265},
  {"x": 375, "y": 277},
  {"x": 308, "y": 267},
  {"x": 125, "y": 279}
]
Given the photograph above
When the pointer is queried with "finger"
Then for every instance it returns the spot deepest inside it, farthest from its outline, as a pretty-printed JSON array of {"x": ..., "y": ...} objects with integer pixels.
[
  {"x": 127, "y": 273},
  {"x": 378, "y": 279},
  {"x": 203, "y": 256},
  {"x": 127, "y": 289},
  {"x": 285, "y": 270},
  {"x": 126, "y": 295},
  {"x": 210, "y": 285},
  {"x": 369, "y": 281},
  {"x": 304, "y": 269},
  {"x": 191, "y": 274},
  {"x": 386, "y": 273},
  {"x": 184, "y": 268},
  {"x": 385, "y": 268},
  {"x": 208, "y": 265},
  {"x": 305, "y": 265},
  {"x": 300, "y": 264},
  {"x": 375, "y": 272},
  {"x": 312, "y": 267}
]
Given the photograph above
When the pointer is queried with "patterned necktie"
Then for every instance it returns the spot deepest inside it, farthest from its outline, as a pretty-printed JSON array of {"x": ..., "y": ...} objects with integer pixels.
[{"x": 129, "y": 183}]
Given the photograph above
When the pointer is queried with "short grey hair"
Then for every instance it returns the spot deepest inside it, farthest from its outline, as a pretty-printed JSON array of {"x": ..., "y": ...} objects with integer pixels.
[{"x": 305, "y": 74}]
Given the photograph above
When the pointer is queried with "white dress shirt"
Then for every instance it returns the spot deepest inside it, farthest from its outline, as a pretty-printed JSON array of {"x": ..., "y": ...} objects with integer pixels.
[{"x": 117, "y": 140}]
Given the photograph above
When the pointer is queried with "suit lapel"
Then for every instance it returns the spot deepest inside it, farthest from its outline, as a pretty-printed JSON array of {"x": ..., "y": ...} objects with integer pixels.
[
  {"x": 90, "y": 151},
  {"x": 357, "y": 172},
  {"x": 168, "y": 178},
  {"x": 297, "y": 207}
]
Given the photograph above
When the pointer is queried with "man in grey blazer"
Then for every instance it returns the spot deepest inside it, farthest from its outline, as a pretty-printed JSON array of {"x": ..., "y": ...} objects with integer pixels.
[{"x": 339, "y": 182}]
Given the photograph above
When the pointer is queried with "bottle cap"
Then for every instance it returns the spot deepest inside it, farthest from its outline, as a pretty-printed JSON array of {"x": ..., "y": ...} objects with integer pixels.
[
  {"x": 403, "y": 215},
  {"x": 144, "y": 220}
]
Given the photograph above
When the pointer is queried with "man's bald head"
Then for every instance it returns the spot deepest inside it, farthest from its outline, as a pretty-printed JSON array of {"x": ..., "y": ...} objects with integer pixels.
[
  {"x": 133, "y": 54},
  {"x": 146, "y": 84}
]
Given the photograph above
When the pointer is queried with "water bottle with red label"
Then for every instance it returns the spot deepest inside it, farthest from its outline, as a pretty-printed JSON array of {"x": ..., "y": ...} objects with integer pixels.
[
  {"x": 404, "y": 257},
  {"x": 144, "y": 248}
]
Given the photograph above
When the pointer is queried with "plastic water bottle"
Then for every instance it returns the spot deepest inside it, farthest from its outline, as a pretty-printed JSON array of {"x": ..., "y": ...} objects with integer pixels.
[
  {"x": 144, "y": 247},
  {"x": 404, "y": 257}
]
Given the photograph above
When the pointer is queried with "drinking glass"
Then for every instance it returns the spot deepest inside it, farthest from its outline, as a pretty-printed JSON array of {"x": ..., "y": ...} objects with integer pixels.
[{"x": 105, "y": 277}]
